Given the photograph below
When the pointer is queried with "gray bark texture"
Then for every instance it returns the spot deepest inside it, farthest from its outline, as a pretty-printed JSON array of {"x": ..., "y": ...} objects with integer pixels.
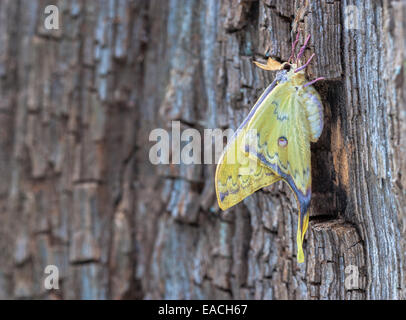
[{"x": 78, "y": 191}]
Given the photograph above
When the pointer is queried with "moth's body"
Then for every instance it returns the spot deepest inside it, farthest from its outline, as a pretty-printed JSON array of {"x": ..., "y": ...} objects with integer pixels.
[{"x": 286, "y": 118}]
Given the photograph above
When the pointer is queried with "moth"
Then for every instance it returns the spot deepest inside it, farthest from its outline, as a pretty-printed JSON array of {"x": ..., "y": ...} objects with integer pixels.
[{"x": 273, "y": 141}]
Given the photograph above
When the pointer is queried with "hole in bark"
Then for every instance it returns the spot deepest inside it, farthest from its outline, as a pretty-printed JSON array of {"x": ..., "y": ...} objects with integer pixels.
[{"x": 329, "y": 196}]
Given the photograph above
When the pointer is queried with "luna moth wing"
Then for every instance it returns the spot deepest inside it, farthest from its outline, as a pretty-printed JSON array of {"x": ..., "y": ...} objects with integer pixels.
[
  {"x": 284, "y": 146},
  {"x": 238, "y": 176},
  {"x": 231, "y": 186}
]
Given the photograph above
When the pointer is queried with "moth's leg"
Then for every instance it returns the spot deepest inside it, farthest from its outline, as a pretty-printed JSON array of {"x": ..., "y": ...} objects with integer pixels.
[
  {"x": 305, "y": 65},
  {"x": 292, "y": 54},
  {"x": 313, "y": 81},
  {"x": 302, "y": 49}
]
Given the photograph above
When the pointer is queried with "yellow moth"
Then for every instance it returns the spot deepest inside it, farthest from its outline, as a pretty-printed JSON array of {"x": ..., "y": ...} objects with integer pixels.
[{"x": 273, "y": 142}]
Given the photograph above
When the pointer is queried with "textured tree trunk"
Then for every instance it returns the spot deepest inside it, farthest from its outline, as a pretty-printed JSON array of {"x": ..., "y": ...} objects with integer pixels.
[{"x": 78, "y": 191}]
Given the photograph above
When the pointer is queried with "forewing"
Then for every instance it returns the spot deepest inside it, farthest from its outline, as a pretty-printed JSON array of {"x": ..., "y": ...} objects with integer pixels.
[{"x": 237, "y": 175}]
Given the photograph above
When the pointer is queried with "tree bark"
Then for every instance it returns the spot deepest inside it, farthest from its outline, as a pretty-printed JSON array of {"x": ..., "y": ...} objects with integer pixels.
[{"x": 78, "y": 191}]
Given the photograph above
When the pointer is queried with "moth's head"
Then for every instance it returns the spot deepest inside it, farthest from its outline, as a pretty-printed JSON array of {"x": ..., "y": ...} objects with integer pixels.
[
  {"x": 287, "y": 66},
  {"x": 274, "y": 65},
  {"x": 286, "y": 71}
]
